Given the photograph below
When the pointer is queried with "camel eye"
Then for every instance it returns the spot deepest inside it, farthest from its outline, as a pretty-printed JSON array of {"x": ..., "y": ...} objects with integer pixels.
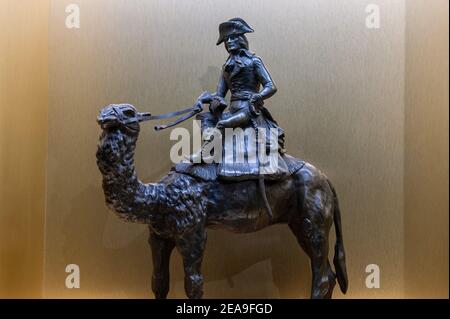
[{"x": 129, "y": 113}]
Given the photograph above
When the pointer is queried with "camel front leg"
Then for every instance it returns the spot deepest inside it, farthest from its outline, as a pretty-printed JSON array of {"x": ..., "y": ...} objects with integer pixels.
[
  {"x": 191, "y": 247},
  {"x": 161, "y": 251}
]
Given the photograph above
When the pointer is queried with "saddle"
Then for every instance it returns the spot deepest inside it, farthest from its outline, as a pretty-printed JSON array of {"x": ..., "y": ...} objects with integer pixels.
[{"x": 211, "y": 172}]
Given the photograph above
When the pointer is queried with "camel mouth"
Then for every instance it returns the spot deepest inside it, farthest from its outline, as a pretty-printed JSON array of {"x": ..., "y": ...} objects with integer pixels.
[{"x": 110, "y": 123}]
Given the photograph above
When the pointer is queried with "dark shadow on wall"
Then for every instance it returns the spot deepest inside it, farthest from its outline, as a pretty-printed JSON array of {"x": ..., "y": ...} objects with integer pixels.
[
  {"x": 105, "y": 272},
  {"x": 266, "y": 264}
]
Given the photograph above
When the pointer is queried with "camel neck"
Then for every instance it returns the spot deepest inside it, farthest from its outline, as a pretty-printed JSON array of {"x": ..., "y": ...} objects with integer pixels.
[{"x": 124, "y": 192}]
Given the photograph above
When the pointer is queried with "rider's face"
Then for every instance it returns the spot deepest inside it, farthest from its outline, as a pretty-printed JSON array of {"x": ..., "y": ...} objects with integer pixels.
[{"x": 232, "y": 43}]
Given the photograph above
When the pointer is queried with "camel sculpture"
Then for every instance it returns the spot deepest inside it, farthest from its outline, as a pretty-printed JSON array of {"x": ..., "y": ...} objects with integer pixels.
[{"x": 180, "y": 207}]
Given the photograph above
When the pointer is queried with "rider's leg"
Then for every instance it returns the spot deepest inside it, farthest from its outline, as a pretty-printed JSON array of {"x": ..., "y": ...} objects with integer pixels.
[
  {"x": 208, "y": 123},
  {"x": 238, "y": 119}
]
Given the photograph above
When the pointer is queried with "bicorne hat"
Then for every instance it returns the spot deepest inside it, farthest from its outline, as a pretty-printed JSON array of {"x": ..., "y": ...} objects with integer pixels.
[{"x": 235, "y": 26}]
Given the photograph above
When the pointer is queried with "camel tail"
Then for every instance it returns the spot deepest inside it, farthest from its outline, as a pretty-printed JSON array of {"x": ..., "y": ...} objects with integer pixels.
[{"x": 339, "y": 253}]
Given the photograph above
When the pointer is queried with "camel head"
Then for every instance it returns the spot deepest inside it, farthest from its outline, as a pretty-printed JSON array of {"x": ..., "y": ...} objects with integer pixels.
[
  {"x": 121, "y": 116},
  {"x": 120, "y": 125}
]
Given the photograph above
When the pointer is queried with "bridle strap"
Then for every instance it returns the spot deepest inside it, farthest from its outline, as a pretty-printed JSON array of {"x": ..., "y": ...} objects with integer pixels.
[
  {"x": 172, "y": 114},
  {"x": 188, "y": 112},
  {"x": 179, "y": 120},
  {"x": 143, "y": 117}
]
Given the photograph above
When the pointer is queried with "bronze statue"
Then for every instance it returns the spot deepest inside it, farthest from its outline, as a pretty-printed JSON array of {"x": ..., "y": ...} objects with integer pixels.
[{"x": 196, "y": 195}]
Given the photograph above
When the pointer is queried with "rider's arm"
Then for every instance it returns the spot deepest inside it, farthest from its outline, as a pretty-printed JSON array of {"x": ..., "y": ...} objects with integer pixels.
[
  {"x": 269, "y": 87},
  {"x": 222, "y": 87}
]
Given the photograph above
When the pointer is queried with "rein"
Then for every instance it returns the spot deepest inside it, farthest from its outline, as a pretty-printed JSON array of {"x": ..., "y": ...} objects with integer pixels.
[{"x": 187, "y": 114}]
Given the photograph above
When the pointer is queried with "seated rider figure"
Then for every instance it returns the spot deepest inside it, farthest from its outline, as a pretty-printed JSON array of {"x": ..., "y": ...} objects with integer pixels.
[{"x": 249, "y": 82}]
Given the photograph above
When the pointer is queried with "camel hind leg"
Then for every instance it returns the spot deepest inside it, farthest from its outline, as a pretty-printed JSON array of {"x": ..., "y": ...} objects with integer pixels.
[{"x": 311, "y": 230}]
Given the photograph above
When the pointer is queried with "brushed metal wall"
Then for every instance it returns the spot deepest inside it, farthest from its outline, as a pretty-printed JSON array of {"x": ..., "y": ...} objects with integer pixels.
[
  {"x": 23, "y": 140},
  {"x": 426, "y": 152},
  {"x": 340, "y": 99}
]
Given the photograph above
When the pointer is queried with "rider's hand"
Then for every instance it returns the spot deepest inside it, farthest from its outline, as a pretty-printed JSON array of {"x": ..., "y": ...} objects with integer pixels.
[
  {"x": 199, "y": 105},
  {"x": 205, "y": 97},
  {"x": 256, "y": 99}
]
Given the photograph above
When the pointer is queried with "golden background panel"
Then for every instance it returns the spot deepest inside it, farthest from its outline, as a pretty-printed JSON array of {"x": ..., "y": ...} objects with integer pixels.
[
  {"x": 426, "y": 150},
  {"x": 23, "y": 141},
  {"x": 340, "y": 99}
]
